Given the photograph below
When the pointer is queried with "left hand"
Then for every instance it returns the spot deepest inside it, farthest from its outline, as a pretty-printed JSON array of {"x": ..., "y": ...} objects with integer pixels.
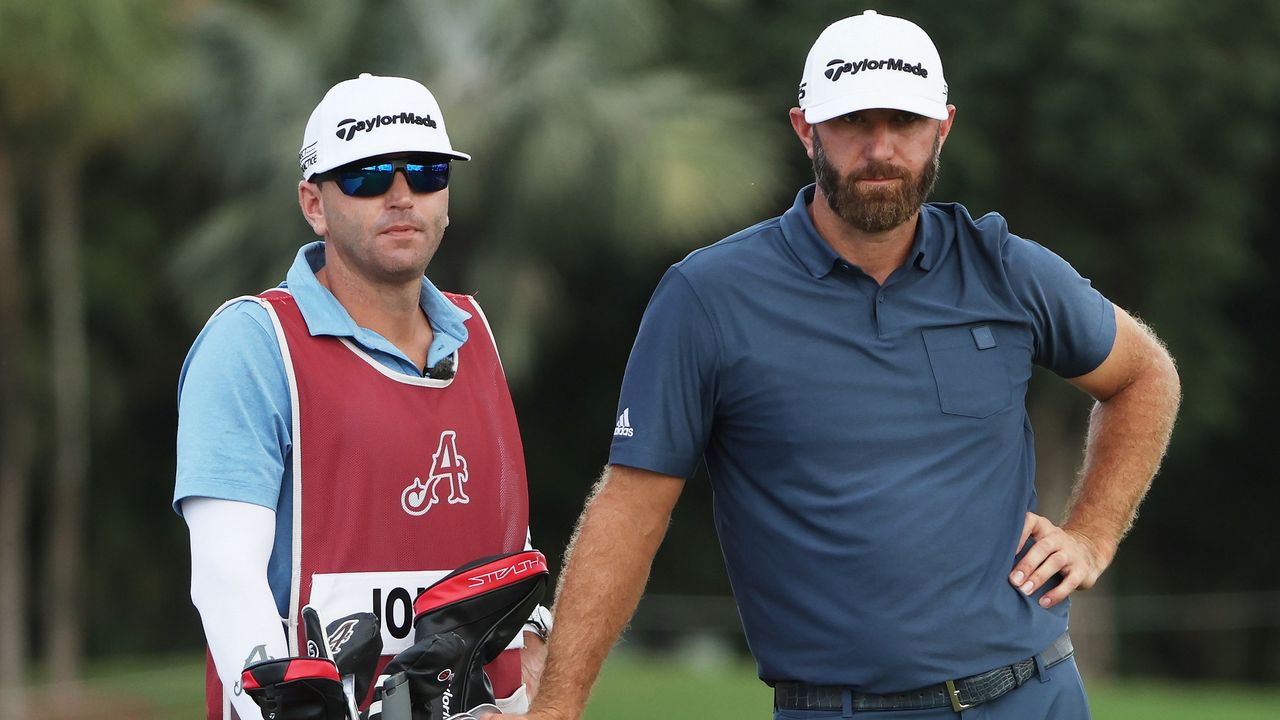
[
  {"x": 532, "y": 659},
  {"x": 1056, "y": 550}
]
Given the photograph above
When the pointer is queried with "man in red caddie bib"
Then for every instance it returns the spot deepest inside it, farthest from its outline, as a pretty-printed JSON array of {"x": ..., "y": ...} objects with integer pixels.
[{"x": 348, "y": 438}]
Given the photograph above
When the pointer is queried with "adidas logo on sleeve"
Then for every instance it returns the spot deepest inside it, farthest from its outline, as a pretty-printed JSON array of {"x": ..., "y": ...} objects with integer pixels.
[{"x": 623, "y": 428}]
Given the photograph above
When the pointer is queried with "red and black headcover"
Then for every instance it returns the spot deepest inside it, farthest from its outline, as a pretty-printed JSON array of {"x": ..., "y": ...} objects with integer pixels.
[
  {"x": 486, "y": 603},
  {"x": 296, "y": 689}
]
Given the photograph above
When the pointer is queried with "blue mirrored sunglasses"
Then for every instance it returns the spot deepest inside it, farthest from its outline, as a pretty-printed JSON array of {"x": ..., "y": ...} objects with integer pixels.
[{"x": 375, "y": 178}]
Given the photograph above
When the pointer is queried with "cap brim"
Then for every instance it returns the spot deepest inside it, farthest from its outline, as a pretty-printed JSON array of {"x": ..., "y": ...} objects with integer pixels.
[{"x": 869, "y": 101}]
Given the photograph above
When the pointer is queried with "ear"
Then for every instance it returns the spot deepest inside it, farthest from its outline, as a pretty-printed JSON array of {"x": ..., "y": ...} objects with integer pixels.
[
  {"x": 803, "y": 129},
  {"x": 312, "y": 205},
  {"x": 944, "y": 128}
]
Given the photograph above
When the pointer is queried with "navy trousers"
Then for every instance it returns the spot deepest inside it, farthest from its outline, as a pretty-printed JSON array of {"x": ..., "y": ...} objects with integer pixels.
[{"x": 1055, "y": 693}]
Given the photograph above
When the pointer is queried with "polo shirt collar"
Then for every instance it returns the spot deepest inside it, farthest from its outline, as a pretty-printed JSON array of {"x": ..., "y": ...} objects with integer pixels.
[
  {"x": 933, "y": 236},
  {"x": 798, "y": 230},
  {"x": 324, "y": 315},
  {"x": 819, "y": 258}
]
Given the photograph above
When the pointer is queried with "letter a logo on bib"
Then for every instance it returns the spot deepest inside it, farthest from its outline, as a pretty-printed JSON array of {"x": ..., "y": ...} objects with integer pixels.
[{"x": 447, "y": 465}]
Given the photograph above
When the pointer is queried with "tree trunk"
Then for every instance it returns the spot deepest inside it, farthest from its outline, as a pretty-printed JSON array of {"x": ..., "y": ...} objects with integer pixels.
[
  {"x": 15, "y": 450},
  {"x": 69, "y": 364}
]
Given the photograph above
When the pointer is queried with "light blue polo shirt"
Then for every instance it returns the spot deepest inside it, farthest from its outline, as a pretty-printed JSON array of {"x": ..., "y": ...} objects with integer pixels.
[
  {"x": 869, "y": 448},
  {"x": 234, "y": 412}
]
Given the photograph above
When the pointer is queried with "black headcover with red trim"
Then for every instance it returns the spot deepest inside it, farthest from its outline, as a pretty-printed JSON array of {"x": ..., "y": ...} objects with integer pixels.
[
  {"x": 296, "y": 689},
  {"x": 486, "y": 603},
  {"x": 355, "y": 644},
  {"x": 428, "y": 666}
]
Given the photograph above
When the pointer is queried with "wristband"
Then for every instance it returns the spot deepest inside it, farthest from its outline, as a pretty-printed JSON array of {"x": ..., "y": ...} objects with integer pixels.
[{"x": 539, "y": 622}]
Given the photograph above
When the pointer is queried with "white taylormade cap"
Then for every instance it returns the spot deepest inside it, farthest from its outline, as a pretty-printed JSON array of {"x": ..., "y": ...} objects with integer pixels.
[
  {"x": 371, "y": 116},
  {"x": 872, "y": 61}
]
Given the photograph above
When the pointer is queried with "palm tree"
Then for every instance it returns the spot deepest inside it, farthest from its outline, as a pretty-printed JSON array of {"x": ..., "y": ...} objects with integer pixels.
[{"x": 72, "y": 76}]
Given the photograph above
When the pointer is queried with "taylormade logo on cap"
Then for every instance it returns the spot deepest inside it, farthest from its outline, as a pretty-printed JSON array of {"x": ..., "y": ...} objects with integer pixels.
[
  {"x": 872, "y": 61},
  {"x": 837, "y": 67},
  {"x": 372, "y": 116},
  {"x": 348, "y": 128}
]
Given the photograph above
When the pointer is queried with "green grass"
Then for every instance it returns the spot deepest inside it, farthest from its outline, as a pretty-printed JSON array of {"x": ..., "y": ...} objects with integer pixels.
[
  {"x": 645, "y": 687},
  {"x": 169, "y": 687},
  {"x": 1141, "y": 699}
]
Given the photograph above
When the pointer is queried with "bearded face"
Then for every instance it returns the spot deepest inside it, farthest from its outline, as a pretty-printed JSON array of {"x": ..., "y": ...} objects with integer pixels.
[{"x": 875, "y": 209}]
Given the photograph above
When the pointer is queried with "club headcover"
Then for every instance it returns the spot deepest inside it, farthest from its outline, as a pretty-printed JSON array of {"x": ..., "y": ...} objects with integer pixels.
[
  {"x": 428, "y": 665},
  {"x": 355, "y": 644},
  {"x": 313, "y": 629},
  {"x": 486, "y": 603},
  {"x": 296, "y": 689}
]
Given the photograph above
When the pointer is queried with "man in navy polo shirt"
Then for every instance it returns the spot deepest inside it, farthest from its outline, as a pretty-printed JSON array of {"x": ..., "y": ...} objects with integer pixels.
[{"x": 854, "y": 373}]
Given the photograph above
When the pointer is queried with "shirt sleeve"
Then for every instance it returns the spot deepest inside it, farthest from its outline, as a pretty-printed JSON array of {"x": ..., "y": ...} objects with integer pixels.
[
  {"x": 229, "y": 588},
  {"x": 234, "y": 413},
  {"x": 667, "y": 402},
  {"x": 1074, "y": 324}
]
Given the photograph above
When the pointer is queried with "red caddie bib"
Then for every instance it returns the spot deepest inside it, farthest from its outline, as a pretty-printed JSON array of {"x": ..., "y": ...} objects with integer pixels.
[{"x": 397, "y": 480}]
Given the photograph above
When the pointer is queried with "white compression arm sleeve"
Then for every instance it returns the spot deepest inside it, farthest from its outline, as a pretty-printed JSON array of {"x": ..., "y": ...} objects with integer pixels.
[{"x": 230, "y": 547}]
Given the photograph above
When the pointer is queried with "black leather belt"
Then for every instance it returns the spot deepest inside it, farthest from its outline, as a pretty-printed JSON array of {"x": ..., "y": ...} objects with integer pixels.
[{"x": 959, "y": 694}]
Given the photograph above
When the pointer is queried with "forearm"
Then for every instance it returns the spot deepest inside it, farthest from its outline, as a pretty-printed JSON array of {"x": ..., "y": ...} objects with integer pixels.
[
  {"x": 1138, "y": 393},
  {"x": 605, "y": 572},
  {"x": 230, "y": 546},
  {"x": 1128, "y": 435}
]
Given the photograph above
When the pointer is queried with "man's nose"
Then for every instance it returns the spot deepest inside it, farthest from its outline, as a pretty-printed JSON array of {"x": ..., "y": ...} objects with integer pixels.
[
  {"x": 880, "y": 143},
  {"x": 399, "y": 194}
]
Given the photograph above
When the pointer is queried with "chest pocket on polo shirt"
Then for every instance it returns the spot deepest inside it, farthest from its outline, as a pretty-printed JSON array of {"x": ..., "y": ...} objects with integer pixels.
[{"x": 969, "y": 369}]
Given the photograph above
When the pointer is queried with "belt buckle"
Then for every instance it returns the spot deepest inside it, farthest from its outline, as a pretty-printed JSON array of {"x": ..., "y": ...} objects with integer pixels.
[{"x": 954, "y": 696}]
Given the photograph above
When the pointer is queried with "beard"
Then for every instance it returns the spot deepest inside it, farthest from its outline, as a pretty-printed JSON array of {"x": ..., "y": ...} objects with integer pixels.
[{"x": 875, "y": 210}]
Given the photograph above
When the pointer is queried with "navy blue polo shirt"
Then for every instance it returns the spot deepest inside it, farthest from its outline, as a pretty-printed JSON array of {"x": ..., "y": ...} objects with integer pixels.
[{"x": 869, "y": 449}]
